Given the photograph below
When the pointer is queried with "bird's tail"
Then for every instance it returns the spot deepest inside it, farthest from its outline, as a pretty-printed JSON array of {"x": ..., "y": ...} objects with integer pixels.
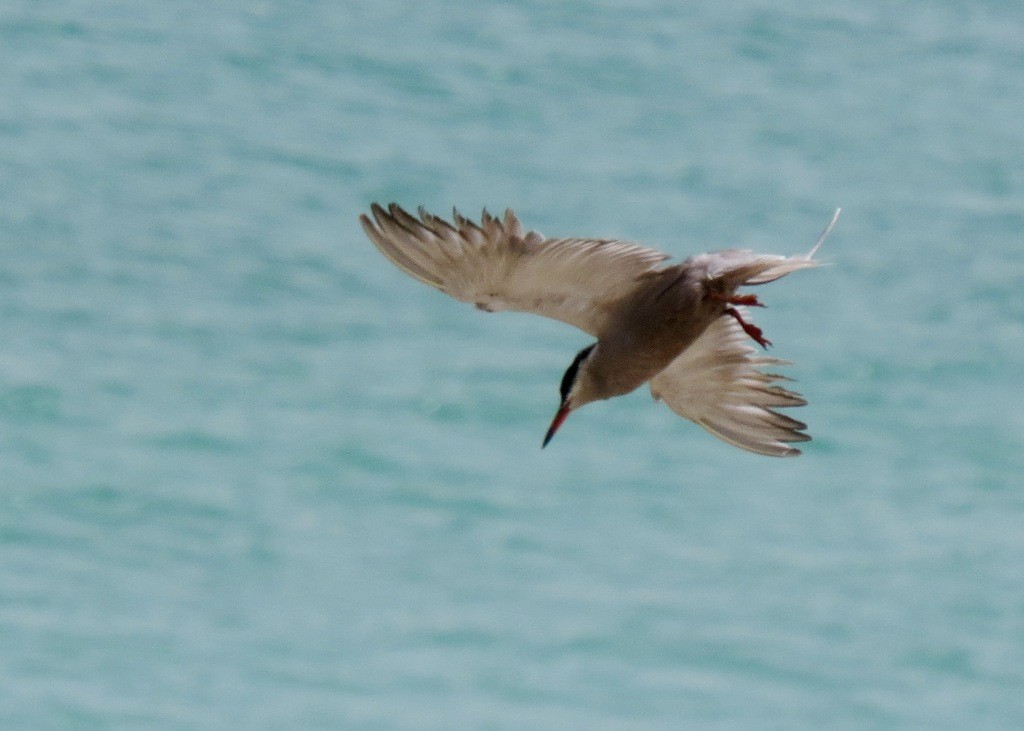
[{"x": 738, "y": 268}]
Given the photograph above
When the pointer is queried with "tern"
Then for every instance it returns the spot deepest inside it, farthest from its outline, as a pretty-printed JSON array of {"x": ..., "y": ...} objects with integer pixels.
[{"x": 683, "y": 329}]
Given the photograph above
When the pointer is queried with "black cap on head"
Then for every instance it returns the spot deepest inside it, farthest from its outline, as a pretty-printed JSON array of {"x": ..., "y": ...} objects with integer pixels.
[{"x": 572, "y": 370}]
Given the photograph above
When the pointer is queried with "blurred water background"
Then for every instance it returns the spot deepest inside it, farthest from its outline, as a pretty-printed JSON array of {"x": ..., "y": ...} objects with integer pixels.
[{"x": 252, "y": 476}]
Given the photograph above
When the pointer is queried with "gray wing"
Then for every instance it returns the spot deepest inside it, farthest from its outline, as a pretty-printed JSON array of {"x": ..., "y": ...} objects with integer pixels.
[
  {"x": 716, "y": 382},
  {"x": 496, "y": 265}
]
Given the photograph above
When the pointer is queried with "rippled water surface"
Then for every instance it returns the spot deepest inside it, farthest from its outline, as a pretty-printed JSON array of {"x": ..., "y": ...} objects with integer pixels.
[{"x": 252, "y": 476}]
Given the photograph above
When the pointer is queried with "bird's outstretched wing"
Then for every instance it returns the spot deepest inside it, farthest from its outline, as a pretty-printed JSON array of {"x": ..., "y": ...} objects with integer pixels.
[
  {"x": 496, "y": 265},
  {"x": 716, "y": 382}
]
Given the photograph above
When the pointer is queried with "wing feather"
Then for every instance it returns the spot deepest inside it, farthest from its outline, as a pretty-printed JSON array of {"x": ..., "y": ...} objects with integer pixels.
[
  {"x": 496, "y": 265},
  {"x": 716, "y": 382}
]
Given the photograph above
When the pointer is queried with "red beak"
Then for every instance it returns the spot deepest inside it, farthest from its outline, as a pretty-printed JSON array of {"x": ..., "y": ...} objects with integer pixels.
[{"x": 563, "y": 412}]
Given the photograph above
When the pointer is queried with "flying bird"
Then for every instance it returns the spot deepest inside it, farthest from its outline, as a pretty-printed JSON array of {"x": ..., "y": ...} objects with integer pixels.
[{"x": 684, "y": 329}]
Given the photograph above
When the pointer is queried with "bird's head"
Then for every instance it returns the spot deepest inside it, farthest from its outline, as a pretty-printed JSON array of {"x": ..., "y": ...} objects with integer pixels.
[{"x": 577, "y": 389}]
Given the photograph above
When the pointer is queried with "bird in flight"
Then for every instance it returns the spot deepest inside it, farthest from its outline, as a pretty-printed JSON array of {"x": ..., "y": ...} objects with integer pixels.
[{"x": 684, "y": 329}]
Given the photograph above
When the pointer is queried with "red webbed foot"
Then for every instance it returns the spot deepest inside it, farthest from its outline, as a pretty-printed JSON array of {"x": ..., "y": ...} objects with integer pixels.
[{"x": 750, "y": 328}]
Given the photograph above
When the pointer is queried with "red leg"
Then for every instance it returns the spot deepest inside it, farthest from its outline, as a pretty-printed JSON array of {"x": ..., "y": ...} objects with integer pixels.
[
  {"x": 749, "y": 328},
  {"x": 737, "y": 299},
  {"x": 745, "y": 299}
]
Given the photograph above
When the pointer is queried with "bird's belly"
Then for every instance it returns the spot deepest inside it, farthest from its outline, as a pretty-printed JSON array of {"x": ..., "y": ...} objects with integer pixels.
[{"x": 637, "y": 354}]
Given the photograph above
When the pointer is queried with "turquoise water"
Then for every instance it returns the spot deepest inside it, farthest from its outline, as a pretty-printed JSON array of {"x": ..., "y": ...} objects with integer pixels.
[{"x": 252, "y": 476}]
